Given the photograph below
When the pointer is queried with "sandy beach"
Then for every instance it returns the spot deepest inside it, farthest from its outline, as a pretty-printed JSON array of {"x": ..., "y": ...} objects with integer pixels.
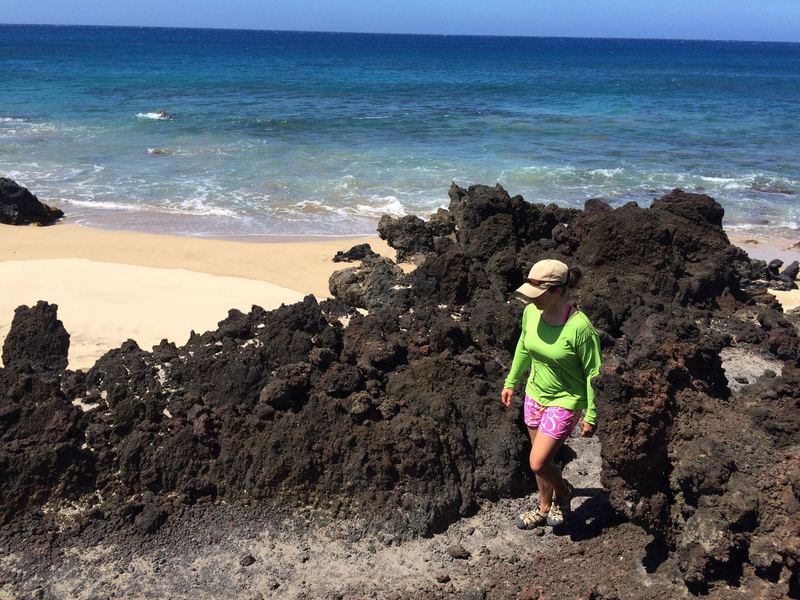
[
  {"x": 111, "y": 285},
  {"x": 768, "y": 250},
  {"x": 114, "y": 285},
  {"x": 786, "y": 250}
]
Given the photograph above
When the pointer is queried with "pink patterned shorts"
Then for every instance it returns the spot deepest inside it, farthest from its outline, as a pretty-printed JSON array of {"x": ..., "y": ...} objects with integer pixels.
[{"x": 553, "y": 421}]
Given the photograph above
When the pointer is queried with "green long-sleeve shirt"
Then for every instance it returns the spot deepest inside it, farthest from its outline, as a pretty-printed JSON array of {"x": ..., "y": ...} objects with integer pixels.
[{"x": 562, "y": 361}]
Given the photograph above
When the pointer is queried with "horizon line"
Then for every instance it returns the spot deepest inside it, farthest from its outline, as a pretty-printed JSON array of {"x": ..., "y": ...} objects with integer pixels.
[{"x": 480, "y": 35}]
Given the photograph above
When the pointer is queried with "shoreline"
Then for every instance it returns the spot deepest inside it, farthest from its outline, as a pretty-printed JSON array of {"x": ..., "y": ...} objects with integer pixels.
[
  {"x": 112, "y": 285},
  {"x": 765, "y": 248},
  {"x": 306, "y": 262}
]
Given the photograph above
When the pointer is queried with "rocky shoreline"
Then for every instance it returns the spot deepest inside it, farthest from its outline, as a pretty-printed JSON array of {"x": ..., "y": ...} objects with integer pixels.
[{"x": 388, "y": 423}]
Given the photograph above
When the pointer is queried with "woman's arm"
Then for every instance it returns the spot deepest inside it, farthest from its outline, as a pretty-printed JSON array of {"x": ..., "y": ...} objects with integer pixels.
[
  {"x": 587, "y": 348},
  {"x": 522, "y": 360}
]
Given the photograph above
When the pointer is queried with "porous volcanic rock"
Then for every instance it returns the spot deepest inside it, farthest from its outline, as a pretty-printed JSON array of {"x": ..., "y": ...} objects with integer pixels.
[
  {"x": 357, "y": 252},
  {"x": 40, "y": 430},
  {"x": 37, "y": 340},
  {"x": 20, "y": 207},
  {"x": 371, "y": 286},
  {"x": 414, "y": 238},
  {"x": 791, "y": 270},
  {"x": 392, "y": 417}
]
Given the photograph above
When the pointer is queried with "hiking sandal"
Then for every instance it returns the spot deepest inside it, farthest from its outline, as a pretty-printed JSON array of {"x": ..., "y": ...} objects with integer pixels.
[
  {"x": 560, "y": 509},
  {"x": 531, "y": 519}
]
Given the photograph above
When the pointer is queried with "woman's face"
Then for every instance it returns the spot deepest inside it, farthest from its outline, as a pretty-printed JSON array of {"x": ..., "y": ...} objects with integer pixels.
[{"x": 549, "y": 299}]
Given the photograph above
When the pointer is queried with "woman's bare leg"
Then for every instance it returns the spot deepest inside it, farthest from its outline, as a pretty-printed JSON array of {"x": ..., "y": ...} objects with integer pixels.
[{"x": 548, "y": 475}]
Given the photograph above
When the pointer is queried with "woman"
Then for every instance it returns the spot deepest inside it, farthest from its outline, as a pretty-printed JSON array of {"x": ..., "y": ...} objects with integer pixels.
[{"x": 562, "y": 350}]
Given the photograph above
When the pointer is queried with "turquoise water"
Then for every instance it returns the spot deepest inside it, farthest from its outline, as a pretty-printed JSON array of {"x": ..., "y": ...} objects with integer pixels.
[{"x": 308, "y": 133}]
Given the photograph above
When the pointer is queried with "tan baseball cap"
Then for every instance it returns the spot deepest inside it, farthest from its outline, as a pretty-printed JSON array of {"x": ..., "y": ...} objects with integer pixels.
[{"x": 544, "y": 275}]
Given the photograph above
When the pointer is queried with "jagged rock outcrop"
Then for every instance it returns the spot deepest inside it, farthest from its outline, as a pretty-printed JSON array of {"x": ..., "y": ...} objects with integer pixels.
[
  {"x": 372, "y": 285},
  {"x": 413, "y": 238},
  {"x": 40, "y": 430},
  {"x": 19, "y": 207},
  {"x": 37, "y": 340}
]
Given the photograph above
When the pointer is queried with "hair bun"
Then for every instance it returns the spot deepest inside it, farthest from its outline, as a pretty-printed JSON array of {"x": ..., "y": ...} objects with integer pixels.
[{"x": 573, "y": 277}]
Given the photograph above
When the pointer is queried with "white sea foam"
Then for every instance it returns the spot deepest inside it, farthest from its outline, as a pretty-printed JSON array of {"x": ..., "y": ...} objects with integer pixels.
[
  {"x": 192, "y": 207},
  {"x": 750, "y": 182},
  {"x": 562, "y": 176},
  {"x": 312, "y": 207},
  {"x": 198, "y": 206},
  {"x": 22, "y": 128},
  {"x": 555, "y": 181},
  {"x": 303, "y": 210},
  {"x": 607, "y": 172},
  {"x": 535, "y": 172},
  {"x": 37, "y": 175},
  {"x": 108, "y": 205},
  {"x": 724, "y": 183},
  {"x": 791, "y": 225},
  {"x": 156, "y": 116},
  {"x": 719, "y": 180},
  {"x": 387, "y": 205}
]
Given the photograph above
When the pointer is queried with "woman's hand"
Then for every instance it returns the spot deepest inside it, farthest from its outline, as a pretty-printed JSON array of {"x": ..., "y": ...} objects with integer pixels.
[
  {"x": 505, "y": 397},
  {"x": 587, "y": 429}
]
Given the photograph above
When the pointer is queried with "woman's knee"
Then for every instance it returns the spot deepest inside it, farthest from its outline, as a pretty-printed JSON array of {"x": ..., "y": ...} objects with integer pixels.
[
  {"x": 541, "y": 460},
  {"x": 539, "y": 463}
]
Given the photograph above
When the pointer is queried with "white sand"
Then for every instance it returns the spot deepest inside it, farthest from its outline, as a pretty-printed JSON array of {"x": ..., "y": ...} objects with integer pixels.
[
  {"x": 767, "y": 248},
  {"x": 788, "y": 300},
  {"x": 770, "y": 249},
  {"x": 103, "y": 304},
  {"x": 114, "y": 285},
  {"x": 111, "y": 286}
]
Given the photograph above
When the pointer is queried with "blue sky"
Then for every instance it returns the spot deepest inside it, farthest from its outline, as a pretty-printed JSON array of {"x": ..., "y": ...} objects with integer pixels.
[{"x": 763, "y": 20}]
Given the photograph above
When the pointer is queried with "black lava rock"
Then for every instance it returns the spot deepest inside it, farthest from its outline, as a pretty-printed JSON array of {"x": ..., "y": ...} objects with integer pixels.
[
  {"x": 791, "y": 270},
  {"x": 358, "y": 252},
  {"x": 20, "y": 207},
  {"x": 37, "y": 340}
]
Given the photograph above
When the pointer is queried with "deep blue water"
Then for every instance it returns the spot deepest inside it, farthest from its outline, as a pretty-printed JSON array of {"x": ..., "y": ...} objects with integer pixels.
[{"x": 313, "y": 133}]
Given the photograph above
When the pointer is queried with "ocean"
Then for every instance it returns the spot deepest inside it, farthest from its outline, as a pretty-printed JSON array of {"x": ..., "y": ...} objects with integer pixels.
[{"x": 298, "y": 134}]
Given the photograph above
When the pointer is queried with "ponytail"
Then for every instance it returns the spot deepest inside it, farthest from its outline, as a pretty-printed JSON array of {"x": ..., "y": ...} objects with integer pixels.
[{"x": 574, "y": 275}]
